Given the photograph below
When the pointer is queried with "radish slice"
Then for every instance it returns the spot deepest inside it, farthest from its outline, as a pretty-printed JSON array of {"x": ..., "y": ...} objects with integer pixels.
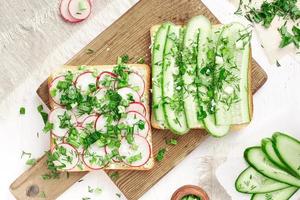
[
  {"x": 138, "y": 107},
  {"x": 106, "y": 79},
  {"x": 80, "y": 117},
  {"x": 84, "y": 80},
  {"x": 101, "y": 124},
  {"x": 140, "y": 149},
  {"x": 108, "y": 151},
  {"x": 80, "y": 9},
  {"x": 54, "y": 118},
  {"x": 129, "y": 94},
  {"x": 94, "y": 157},
  {"x": 67, "y": 156},
  {"x": 64, "y": 11},
  {"x": 53, "y": 91},
  {"x": 132, "y": 118},
  {"x": 136, "y": 82},
  {"x": 91, "y": 119}
]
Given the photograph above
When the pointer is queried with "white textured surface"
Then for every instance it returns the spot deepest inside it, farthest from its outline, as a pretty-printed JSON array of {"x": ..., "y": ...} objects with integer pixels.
[{"x": 28, "y": 55}]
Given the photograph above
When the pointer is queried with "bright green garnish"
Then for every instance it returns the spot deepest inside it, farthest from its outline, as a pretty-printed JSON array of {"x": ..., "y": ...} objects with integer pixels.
[
  {"x": 114, "y": 176},
  {"x": 134, "y": 158},
  {"x": 22, "y": 111},
  {"x": 31, "y": 161},
  {"x": 96, "y": 190},
  {"x": 48, "y": 127},
  {"x": 191, "y": 197},
  {"x": 42, "y": 113},
  {"x": 161, "y": 154},
  {"x": 171, "y": 141}
]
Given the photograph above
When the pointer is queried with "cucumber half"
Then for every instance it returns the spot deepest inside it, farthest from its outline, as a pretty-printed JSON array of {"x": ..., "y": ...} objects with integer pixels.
[
  {"x": 260, "y": 162},
  {"x": 288, "y": 150},
  {"x": 283, "y": 194},
  {"x": 231, "y": 76},
  {"x": 158, "y": 47},
  {"x": 172, "y": 95},
  {"x": 252, "y": 182}
]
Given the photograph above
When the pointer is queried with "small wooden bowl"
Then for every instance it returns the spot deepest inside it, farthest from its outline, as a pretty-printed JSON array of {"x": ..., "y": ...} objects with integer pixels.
[{"x": 189, "y": 190}]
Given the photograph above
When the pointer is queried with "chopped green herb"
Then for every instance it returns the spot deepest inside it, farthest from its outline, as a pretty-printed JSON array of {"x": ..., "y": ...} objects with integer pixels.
[
  {"x": 25, "y": 154},
  {"x": 171, "y": 141},
  {"x": 48, "y": 127},
  {"x": 114, "y": 176},
  {"x": 118, "y": 195},
  {"x": 134, "y": 158},
  {"x": 96, "y": 190},
  {"x": 44, "y": 115},
  {"x": 89, "y": 51},
  {"x": 22, "y": 111},
  {"x": 123, "y": 59},
  {"x": 161, "y": 154},
  {"x": 141, "y": 60},
  {"x": 42, "y": 195},
  {"x": 31, "y": 161},
  {"x": 86, "y": 198}
]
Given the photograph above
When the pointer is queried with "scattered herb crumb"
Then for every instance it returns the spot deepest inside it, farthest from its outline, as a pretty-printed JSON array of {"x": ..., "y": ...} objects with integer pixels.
[
  {"x": 31, "y": 161},
  {"x": 278, "y": 64},
  {"x": 118, "y": 195},
  {"x": 114, "y": 176},
  {"x": 42, "y": 195},
  {"x": 89, "y": 51},
  {"x": 44, "y": 115},
  {"x": 22, "y": 111},
  {"x": 86, "y": 198},
  {"x": 80, "y": 180},
  {"x": 161, "y": 154},
  {"x": 124, "y": 58},
  {"x": 172, "y": 141},
  {"x": 141, "y": 60}
]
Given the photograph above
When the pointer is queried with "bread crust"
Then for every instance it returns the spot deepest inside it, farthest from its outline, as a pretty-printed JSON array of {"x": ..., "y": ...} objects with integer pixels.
[
  {"x": 234, "y": 127},
  {"x": 135, "y": 67}
]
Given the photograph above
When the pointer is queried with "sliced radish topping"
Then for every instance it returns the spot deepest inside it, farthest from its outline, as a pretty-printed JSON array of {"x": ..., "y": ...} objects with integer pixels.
[
  {"x": 138, "y": 121},
  {"x": 53, "y": 91},
  {"x": 129, "y": 94},
  {"x": 106, "y": 79},
  {"x": 136, "y": 154},
  {"x": 94, "y": 157},
  {"x": 101, "y": 124},
  {"x": 80, "y": 117},
  {"x": 138, "y": 107},
  {"x": 80, "y": 9},
  {"x": 64, "y": 11},
  {"x": 56, "y": 116},
  {"x": 89, "y": 120},
  {"x": 108, "y": 151},
  {"x": 136, "y": 82},
  {"x": 85, "y": 80},
  {"x": 67, "y": 156}
]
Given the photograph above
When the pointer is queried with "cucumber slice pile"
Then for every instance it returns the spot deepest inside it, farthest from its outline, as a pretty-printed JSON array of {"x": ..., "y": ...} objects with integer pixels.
[
  {"x": 200, "y": 76},
  {"x": 273, "y": 171}
]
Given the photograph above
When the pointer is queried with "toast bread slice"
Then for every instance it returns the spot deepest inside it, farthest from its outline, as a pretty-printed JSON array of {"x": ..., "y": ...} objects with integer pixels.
[
  {"x": 234, "y": 127},
  {"x": 141, "y": 69}
]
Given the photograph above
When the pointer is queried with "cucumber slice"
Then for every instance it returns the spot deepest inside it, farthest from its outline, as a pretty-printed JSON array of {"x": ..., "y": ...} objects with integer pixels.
[
  {"x": 172, "y": 95},
  {"x": 206, "y": 63},
  {"x": 231, "y": 76},
  {"x": 259, "y": 161},
  {"x": 284, "y": 194},
  {"x": 158, "y": 47},
  {"x": 268, "y": 149},
  {"x": 288, "y": 150},
  {"x": 252, "y": 182},
  {"x": 198, "y": 30}
]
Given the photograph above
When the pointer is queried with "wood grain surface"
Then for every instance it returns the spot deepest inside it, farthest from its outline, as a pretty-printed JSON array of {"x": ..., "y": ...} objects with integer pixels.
[{"x": 129, "y": 35}]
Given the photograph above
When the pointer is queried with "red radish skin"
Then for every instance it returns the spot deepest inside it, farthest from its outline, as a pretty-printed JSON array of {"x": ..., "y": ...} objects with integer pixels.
[
  {"x": 126, "y": 150},
  {"x": 69, "y": 146},
  {"x": 52, "y": 86},
  {"x": 84, "y": 79},
  {"x": 102, "y": 76},
  {"x": 74, "y": 11},
  {"x": 53, "y": 118},
  {"x": 138, "y": 107},
  {"x": 98, "y": 150},
  {"x": 124, "y": 92},
  {"x": 64, "y": 12},
  {"x": 137, "y": 116}
]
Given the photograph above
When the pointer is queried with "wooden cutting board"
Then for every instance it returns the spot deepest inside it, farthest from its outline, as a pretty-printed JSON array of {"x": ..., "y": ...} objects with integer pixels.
[{"x": 128, "y": 35}]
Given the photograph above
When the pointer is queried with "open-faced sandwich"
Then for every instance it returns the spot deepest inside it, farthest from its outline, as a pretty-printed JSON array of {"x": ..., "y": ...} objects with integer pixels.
[
  {"x": 100, "y": 117},
  {"x": 201, "y": 76}
]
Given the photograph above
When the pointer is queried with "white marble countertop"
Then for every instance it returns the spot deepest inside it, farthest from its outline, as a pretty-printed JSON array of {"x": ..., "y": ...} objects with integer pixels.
[{"x": 33, "y": 44}]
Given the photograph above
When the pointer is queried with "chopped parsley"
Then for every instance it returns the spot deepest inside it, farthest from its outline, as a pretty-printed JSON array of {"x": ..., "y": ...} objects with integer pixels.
[
  {"x": 44, "y": 115},
  {"x": 22, "y": 111},
  {"x": 171, "y": 141},
  {"x": 161, "y": 154},
  {"x": 48, "y": 127},
  {"x": 31, "y": 161}
]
